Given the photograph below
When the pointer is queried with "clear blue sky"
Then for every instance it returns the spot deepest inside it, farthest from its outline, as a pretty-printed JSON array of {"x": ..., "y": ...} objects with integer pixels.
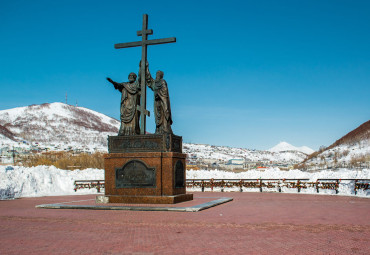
[{"x": 242, "y": 73}]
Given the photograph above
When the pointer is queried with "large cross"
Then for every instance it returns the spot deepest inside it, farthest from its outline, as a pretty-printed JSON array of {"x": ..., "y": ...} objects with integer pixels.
[{"x": 144, "y": 43}]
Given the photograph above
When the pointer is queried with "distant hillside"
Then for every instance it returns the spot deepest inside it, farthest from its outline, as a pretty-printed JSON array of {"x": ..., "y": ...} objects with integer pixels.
[
  {"x": 57, "y": 123},
  {"x": 212, "y": 153},
  {"x": 6, "y": 133},
  {"x": 360, "y": 134},
  {"x": 352, "y": 150},
  {"x": 58, "y": 127}
]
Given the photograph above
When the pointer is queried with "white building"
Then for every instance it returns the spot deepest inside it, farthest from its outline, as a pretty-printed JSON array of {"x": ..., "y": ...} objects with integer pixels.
[{"x": 236, "y": 161}]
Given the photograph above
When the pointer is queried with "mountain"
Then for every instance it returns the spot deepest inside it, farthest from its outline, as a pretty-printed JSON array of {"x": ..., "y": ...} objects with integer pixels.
[
  {"x": 284, "y": 146},
  {"x": 212, "y": 154},
  {"x": 351, "y": 150},
  {"x": 6, "y": 133},
  {"x": 360, "y": 134},
  {"x": 58, "y": 125}
]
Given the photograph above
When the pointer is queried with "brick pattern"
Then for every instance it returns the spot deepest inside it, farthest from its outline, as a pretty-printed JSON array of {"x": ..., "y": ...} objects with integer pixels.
[{"x": 254, "y": 223}]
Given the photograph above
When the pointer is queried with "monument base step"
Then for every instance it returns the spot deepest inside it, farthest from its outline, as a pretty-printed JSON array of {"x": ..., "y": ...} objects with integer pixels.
[{"x": 144, "y": 199}]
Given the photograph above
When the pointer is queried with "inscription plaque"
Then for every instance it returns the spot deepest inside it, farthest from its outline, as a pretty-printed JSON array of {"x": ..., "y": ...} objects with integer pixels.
[
  {"x": 135, "y": 174},
  {"x": 179, "y": 175},
  {"x": 145, "y": 143}
]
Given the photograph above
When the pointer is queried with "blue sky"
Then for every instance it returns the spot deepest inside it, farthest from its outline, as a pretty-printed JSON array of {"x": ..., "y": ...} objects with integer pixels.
[{"x": 242, "y": 73}]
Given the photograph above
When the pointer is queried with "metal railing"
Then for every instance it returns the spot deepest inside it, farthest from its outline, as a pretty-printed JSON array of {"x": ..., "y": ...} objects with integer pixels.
[
  {"x": 244, "y": 184},
  {"x": 278, "y": 184},
  {"x": 89, "y": 184}
]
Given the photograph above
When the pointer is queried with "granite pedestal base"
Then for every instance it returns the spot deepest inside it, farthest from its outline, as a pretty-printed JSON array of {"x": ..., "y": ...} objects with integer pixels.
[
  {"x": 145, "y": 177},
  {"x": 145, "y": 199}
]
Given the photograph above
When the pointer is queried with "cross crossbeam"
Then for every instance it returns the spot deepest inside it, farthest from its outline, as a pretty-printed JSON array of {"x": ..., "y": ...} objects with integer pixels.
[
  {"x": 144, "y": 32},
  {"x": 148, "y": 42}
]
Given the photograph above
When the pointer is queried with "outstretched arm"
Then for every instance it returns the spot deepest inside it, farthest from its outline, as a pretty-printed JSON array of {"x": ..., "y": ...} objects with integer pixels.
[
  {"x": 148, "y": 76},
  {"x": 116, "y": 84}
]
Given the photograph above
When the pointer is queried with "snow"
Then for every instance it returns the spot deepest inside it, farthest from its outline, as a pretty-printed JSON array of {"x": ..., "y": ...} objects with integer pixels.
[
  {"x": 6, "y": 140},
  {"x": 355, "y": 155},
  {"x": 51, "y": 110},
  {"x": 43, "y": 181},
  {"x": 284, "y": 146},
  {"x": 305, "y": 149},
  {"x": 58, "y": 126},
  {"x": 50, "y": 181},
  {"x": 223, "y": 153},
  {"x": 276, "y": 173}
]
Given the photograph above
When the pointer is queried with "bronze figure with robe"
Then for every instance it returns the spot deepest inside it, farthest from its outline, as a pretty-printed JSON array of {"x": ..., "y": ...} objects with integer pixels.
[
  {"x": 162, "y": 106},
  {"x": 130, "y": 99}
]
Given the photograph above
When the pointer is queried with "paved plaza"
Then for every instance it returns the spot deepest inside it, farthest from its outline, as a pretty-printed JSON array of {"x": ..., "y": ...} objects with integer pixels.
[{"x": 253, "y": 223}]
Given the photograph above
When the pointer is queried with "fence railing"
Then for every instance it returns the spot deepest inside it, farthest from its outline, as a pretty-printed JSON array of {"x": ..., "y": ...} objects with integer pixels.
[
  {"x": 244, "y": 184},
  {"x": 89, "y": 184},
  {"x": 278, "y": 184}
]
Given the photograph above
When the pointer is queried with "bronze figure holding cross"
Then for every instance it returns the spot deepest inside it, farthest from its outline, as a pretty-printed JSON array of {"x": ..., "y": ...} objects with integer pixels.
[
  {"x": 144, "y": 168},
  {"x": 158, "y": 85}
]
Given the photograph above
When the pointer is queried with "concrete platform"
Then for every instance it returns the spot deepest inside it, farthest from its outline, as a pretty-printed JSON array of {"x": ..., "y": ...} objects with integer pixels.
[
  {"x": 253, "y": 223},
  {"x": 174, "y": 199},
  {"x": 127, "y": 207}
]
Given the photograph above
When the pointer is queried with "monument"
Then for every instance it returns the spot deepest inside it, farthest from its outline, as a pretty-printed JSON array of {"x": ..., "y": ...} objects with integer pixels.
[{"x": 141, "y": 167}]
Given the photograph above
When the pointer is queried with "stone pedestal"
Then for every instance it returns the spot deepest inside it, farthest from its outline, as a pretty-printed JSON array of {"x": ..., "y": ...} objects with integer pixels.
[{"x": 156, "y": 176}]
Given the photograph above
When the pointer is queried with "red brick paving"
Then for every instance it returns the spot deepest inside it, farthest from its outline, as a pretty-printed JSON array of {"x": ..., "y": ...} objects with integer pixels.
[{"x": 254, "y": 223}]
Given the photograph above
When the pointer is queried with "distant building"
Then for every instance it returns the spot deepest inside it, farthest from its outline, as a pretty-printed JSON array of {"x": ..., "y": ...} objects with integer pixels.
[
  {"x": 236, "y": 161},
  {"x": 250, "y": 164},
  {"x": 4, "y": 151}
]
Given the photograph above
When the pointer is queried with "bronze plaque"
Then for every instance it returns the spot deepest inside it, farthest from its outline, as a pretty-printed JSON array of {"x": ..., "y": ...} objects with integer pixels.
[
  {"x": 135, "y": 174},
  {"x": 179, "y": 175}
]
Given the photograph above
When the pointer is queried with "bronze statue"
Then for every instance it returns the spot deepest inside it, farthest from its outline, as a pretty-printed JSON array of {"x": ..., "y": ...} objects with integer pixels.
[
  {"x": 129, "y": 101},
  {"x": 162, "y": 107},
  {"x": 144, "y": 43}
]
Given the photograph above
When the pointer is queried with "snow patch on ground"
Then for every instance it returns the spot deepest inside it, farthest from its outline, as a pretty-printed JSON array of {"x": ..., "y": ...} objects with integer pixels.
[
  {"x": 43, "y": 181},
  {"x": 50, "y": 181}
]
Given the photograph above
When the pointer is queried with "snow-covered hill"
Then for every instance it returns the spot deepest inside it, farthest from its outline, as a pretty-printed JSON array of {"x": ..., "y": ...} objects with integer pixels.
[
  {"x": 284, "y": 146},
  {"x": 352, "y": 150},
  {"x": 223, "y": 153},
  {"x": 56, "y": 125},
  {"x": 59, "y": 126},
  {"x": 8, "y": 141}
]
